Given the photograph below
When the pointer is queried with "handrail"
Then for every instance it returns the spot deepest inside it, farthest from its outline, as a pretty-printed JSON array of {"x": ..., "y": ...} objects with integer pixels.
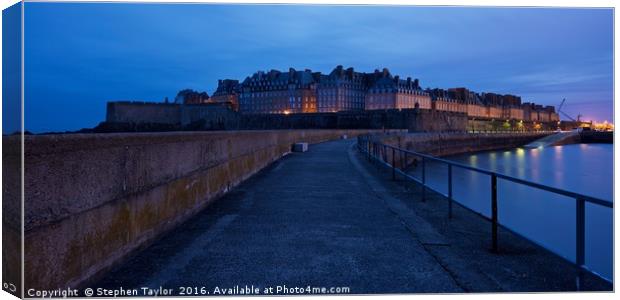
[
  {"x": 570, "y": 194},
  {"x": 376, "y": 150}
]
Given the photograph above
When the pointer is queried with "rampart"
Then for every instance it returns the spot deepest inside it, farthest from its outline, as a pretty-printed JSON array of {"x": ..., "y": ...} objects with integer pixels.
[
  {"x": 143, "y": 112},
  {"x": 443, "y": 144},
  {"x": 148, "y": 117},
  {"x": 93, "y": 199}
]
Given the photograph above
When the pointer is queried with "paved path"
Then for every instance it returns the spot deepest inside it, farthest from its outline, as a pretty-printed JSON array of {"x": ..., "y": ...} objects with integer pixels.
[{"x": 320, "y": 219}]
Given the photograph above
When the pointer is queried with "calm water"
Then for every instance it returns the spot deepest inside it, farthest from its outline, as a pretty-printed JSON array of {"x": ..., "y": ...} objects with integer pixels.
[{"x": 544, "y": 217}]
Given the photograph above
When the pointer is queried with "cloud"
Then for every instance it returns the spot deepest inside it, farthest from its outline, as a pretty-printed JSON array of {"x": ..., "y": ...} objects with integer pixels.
[{"x": 548, "y": 78}]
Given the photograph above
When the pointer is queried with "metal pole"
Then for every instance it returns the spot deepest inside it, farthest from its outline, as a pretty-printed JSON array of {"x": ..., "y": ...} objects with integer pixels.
[
  {"x": 374, "y": 152},
  {"x": 450, "y": 191},
  {"x": 400, "y": 157},
  {"x": 423, "y": 179},
  {"x": 580, "y": 239},
  {"x": 393, "y": 164},
  {"x": 385, "y": 158},
  {"x": 494, "y": 210}
]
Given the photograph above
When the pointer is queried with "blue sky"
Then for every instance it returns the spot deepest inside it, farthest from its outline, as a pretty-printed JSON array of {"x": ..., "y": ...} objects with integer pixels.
[{"x": 79, "y": 56}]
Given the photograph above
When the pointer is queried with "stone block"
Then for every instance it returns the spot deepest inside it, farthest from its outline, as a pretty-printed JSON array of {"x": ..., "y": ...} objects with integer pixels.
[{"x": 300, "y": 147}]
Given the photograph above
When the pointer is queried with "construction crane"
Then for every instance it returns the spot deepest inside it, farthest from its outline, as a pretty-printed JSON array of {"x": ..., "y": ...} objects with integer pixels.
[{"x": 565, "y": 114}]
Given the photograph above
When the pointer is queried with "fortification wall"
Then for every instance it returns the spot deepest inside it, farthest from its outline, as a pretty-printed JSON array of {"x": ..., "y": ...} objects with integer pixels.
[
  {"x": 92, "y": 199},
  {"x": 144, "y": 117},
  {"x": 437, "y": 121},
  {"x": 443, "y": 144},
  {"x": 143, "y": 112},
  {"x": 139, "y": 116}
]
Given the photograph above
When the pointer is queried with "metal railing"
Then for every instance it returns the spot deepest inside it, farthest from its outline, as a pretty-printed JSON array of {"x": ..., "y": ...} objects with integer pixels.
[
  {"x": 391, "y": 157},
  {"x": 510, "y": 131}
]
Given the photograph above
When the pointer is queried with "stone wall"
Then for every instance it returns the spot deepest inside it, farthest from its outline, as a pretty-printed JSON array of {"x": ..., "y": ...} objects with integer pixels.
[
  {"x": 437, "y": 121},
  {"x": 480, "y": 125},
  {"x": 140, "y": 116},
  {"x": 11, "y": 214},
  {"x": 443, "y": 144},
  {"x": 145, "y": 117},
  {"x": 143, "y": 112},
  {"x": 92, "y": 199}
]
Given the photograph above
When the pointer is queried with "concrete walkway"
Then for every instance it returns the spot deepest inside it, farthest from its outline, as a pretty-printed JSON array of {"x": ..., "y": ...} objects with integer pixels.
[{"x": 327, "y": 218}]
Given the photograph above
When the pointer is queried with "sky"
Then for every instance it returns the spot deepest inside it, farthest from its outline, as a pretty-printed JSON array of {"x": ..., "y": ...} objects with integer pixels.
[{"x": 78, "y": 56}]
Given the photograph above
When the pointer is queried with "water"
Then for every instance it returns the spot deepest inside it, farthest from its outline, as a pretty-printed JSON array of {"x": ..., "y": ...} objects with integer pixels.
[{"x": 544, "y": 217}]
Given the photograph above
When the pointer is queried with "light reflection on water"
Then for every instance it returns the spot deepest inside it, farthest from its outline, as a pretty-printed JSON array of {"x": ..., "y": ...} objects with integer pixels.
[{"x": 544, "y": 217}]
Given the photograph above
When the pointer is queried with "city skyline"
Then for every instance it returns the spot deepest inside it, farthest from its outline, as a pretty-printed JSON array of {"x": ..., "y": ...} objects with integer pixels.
[{"x": 152, "y": 51}]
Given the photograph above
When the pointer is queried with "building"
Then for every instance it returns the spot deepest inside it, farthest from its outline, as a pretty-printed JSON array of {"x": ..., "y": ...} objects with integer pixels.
[
  {"x": 341, "y": 90},
  {"x": 227, "y": 92},
  {"x": 473, "y": 102},
  {"x": 442, "y": 101},
  {"x": 391, "y": 92},
  {"x": 278, "y": 92},
  {"x": 538, "y": 113},
  {"x": 308, "y": 92},
  {"x": 189, "y": 96}
]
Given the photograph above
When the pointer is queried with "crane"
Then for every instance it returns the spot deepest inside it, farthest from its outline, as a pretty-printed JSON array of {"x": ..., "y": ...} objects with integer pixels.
[{"x": 565, "y": 114}]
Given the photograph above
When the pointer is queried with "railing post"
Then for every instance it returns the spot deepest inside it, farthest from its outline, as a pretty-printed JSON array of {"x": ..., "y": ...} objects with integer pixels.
[
  {"x": 368, "y": 144},
  {"x": 580, "y": 239},
  {"x": 385, "y": 154},
  {"x": 383, "y": 158},
  {"x": 423, "y": 179},
  {"x": 393, "y": 164},
  {"x": 374, "y": 152},
  {"x": 494, "y": 211},
  {"x": 450, "y": 191}
]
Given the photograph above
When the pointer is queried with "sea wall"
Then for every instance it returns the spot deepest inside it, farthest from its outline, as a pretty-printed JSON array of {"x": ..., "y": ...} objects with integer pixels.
[
  {"x": 437, "y": 121},
  {"x": 144, "y": 116},
  {"x": 92, "y": 199},
  {"x": 443, "y": 144}
]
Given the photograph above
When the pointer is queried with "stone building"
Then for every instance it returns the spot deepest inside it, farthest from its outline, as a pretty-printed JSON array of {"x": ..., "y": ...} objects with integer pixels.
[
  {"x": 473, "y": 101},
  {"x": 538, "y": 113},
  {"x": 442, "y": 101},
  {"x": 278, "y": 92},
  {"x": 391, "y": 92},
  {"x": 553, "y": 116},
  {"x": 503, "y": 106},
  {"x": 189, "y": 96},
  {"x": 341, "y": 90},
  {"x": 227, "y": 92}
]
